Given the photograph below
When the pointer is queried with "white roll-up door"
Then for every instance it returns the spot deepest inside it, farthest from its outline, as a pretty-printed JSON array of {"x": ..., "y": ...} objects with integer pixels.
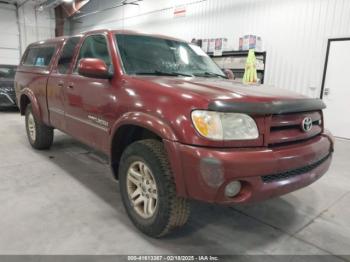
[{"x": 9, "y": 35}]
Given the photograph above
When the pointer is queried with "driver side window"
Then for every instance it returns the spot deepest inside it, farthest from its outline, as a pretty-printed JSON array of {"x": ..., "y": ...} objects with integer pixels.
[{"x": 95, "y": 46}]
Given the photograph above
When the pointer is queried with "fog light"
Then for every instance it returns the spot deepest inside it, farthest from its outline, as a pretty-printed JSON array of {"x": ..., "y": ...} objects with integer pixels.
[{"x": 232, "y": 188}]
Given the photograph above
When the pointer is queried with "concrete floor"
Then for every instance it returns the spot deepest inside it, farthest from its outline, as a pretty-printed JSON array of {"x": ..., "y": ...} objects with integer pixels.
[{"x": 64, "y": 201}]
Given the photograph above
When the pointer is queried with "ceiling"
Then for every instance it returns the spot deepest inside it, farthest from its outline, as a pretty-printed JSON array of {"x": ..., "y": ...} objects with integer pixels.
[
  {"x": 20, "y": 2},
  {"x": 9, "y": 1}
]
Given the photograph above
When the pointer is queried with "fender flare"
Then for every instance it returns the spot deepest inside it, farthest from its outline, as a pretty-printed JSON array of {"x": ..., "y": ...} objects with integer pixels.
[
  {"x": 164, "y": 131},
  {"x": 33, "y": 100},
  {"x": 147, "y": 121}
]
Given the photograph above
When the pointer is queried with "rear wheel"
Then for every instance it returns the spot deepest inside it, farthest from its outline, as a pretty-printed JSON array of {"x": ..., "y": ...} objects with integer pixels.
[
  {"x": 148, "y": 189},
  {"x": 39, "y": 135}
]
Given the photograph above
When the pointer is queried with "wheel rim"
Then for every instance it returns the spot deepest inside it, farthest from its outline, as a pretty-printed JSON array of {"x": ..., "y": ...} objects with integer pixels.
[
  {"x": 31, "y": 127},
  {"x": 142, "y": 189}
]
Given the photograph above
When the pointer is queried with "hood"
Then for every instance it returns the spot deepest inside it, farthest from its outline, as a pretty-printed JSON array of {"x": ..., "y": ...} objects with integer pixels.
[{"x": 214, "y": 89}]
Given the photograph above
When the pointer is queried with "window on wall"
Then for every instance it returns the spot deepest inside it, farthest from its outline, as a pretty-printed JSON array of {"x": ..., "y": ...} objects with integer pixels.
[
  {"x": 95, "y": 46},
  {"x": 67, "y": 55},
  {"x": 39, "y": 56}
]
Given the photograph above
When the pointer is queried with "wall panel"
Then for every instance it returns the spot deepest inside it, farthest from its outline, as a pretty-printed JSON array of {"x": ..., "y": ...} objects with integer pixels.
[
  {"x": 35, "y": 25},
  {"x": 16, "y": 33},
  {"x": 9, "y": 40}
]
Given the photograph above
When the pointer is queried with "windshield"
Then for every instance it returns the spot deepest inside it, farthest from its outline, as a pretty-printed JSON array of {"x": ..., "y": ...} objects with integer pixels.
[
  {"x": 146, "y": 55},
  {"x": 7, "y": 71}
]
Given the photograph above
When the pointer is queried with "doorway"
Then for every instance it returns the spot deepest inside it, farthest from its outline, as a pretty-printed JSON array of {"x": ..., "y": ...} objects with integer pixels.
[{"x": 336, "y": 87}]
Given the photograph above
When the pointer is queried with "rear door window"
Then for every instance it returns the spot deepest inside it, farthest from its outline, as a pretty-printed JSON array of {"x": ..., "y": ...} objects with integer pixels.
[
  {"x": 67, "y": 55},
  {"x": 39, "y": 56}
]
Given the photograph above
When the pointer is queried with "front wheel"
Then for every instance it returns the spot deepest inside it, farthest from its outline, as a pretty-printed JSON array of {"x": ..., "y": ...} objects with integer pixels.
[
  {"x": 39, "y": 135},
  {"x": 148, "y": 189}
]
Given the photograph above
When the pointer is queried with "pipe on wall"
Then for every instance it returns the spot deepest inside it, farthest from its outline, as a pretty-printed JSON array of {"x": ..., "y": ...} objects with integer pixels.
[
  {"x": 19, "y": 31},
  {"x": 65, "y": 10},
  {"x": 59, "y": 21}
]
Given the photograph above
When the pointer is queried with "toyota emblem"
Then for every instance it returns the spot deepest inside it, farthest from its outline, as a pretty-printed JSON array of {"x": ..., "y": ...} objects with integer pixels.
[{"x": 306, "y": 125}]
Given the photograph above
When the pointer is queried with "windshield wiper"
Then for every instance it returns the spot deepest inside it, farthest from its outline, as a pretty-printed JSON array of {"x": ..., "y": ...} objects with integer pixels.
[
  {"x": 161, "y": 73},
  {"x": 210, "y": 74}
]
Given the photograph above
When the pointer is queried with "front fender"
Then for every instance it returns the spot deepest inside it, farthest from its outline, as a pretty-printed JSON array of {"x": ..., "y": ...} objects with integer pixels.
[
  {"x": 164, "y": 131},
  {"x": 150, "y": 122},
  {"x": 33, "y": 100}
]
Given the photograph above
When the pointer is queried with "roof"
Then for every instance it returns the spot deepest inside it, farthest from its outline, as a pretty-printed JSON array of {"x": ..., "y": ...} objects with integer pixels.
[
  {"x": 130, "y": 32},
  {"x": 127, "y": 32},
  {"x": 51, "y": 41}
]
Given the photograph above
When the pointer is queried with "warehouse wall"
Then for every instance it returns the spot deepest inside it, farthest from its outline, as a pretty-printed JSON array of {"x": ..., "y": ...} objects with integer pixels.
[
  {"x": 294, "y": 32},
  {"x": 35, "y": 25},
  {"x": 9, "y": 35},
  {"x": 18, "y": 28}
]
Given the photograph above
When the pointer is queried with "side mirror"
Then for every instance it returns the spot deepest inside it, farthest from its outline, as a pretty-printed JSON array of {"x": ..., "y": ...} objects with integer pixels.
[
  {"x": 93, "y": 67},
  {"x": 229, "y": 74}
]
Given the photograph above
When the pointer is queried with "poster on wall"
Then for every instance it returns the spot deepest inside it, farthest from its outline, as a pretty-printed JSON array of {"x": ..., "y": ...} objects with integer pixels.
[{"x": 220, "y": 45}]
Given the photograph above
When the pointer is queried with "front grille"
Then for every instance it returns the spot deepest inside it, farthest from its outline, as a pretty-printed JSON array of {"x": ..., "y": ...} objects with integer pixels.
[
  {"x": 294, "y": 172},
  {"x": 286, "y": 128}
]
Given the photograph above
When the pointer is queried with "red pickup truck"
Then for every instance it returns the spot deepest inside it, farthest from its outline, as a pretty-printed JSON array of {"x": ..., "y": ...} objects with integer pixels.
[{"x": 171, "y": 122}]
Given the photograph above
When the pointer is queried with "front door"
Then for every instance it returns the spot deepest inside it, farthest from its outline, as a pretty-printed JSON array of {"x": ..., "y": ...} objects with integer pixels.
[
  {"x": 336, "y": 89},
  {"x": 89, "y": 99}
]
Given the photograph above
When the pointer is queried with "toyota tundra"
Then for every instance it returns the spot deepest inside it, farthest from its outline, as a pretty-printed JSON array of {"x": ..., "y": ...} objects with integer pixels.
[{"x": 173, "y": 125}]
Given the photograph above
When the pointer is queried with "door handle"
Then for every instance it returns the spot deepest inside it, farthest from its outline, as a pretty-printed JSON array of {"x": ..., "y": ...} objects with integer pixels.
[
  {"x": 70, "y": 86},
  {"x": 60, "y": 84}
]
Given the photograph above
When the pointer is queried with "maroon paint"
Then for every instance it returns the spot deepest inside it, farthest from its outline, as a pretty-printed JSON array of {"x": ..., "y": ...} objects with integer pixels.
[
  {"x": 163, "y": 105},
  {"x": 93, "y": 67},
  {"x": 248, "y": 165}
]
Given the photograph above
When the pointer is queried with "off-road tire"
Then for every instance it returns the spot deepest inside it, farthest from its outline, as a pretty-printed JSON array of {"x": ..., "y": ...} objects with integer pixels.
[
  {"x": 43, "y": 134},
  {"x": 172, "y": 211}
]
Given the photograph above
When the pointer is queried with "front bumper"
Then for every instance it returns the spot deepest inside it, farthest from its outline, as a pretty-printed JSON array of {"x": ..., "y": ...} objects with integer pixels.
[
  {"x": 7, "y": 99},
  {"x": 206, "y": 171}
]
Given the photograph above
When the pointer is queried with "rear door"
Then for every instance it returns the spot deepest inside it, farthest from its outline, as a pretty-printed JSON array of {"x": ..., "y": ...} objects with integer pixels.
[
  {"x": 88, "y": 99},
  {"x": 57, "y": 84}
]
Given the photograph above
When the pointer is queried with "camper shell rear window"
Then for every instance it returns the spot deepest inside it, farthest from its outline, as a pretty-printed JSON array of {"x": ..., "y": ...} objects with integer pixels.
[{"x": 39, "y": 55}]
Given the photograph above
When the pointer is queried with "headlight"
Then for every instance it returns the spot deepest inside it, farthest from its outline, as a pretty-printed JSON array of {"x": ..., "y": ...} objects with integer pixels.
[{"x": 224, "y": 126}]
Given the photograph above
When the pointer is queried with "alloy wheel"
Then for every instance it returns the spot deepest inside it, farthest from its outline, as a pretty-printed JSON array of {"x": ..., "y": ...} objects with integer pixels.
[
  {"x": 142, "y": 189},
  {"x": 31, "y": 127}
]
